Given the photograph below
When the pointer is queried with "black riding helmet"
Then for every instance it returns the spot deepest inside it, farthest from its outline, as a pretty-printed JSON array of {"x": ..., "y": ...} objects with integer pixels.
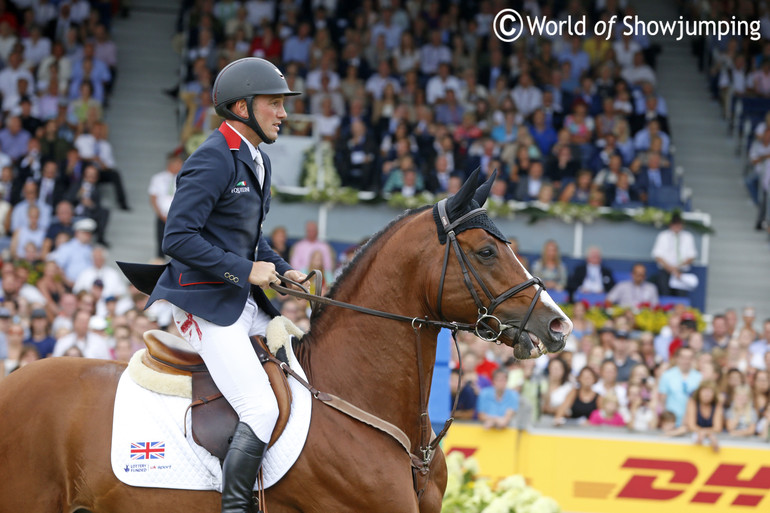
[{"x": 243, "y": 80}]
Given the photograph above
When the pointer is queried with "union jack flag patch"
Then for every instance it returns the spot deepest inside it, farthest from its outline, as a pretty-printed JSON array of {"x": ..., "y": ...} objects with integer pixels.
[{"x": 148, "y": 450}]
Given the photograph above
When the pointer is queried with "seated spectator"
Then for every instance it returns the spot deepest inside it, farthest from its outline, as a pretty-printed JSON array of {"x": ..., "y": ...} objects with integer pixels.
[
  {"x": 328, "y": 121},
  {"x": 375, "y": 85},
  {"x": 622, "y": 194},
  {"x": 97, "y": 149},
  {"x": 302, "y": 250},
  {"x": 678, "y": 383},
  {"x": 674, "y": 251},
  {"x": 40, "y": 334},
  {"x": 437, "y": 87},
  {"x": 433, "y": 54},
  {"x": 581, "y": 401},
  {"x": 499, "y": 191},
  {"x": 638, "y": 72},
  {"x": 558, "y": 386},
  {"x": 526, "y": 95},
  {"x": 60, "y": 224},
  {"x": 75, "y": 255},
  {"x": 51, "y": 286},
  {"x": 718, "y": 337},
  {"x": 610, "y": 174},
  {"x": 759, "y": 348},
  {"x": 580, "y": 190},
  {"x": 86, "y": 198},
  {"x": 608, "y": 413},
  {"x": 644, "y": 137},
  {"x": 591, "y": 276},
  {"x": 32, "y": 232},
  {"x": 438, "y": 178},
  {"x": 112, "y": 282},
  {"x": 19, "y": 215},
  {"x": 497, "y": 405},
  {"x": 653, "y": 175},
  {"x": 450, "y": 112},
  {"x": 550, "y": 267},
  {"x": 529, "y": 185},
  {"x": 86, "y": 341},
  {"x": 741, "y": 417},
  {"x": 356, "y": 157},
  {"x": 466, "y": 402},
  {"x": 542, "y": 132},
  {"x": 562, "y": 168},
  {"x": 80, "y": 108},
  {"x": 642, "y": 417},
  {"x": 14, "y": 140},
  {"x": 636, "y": 291}
]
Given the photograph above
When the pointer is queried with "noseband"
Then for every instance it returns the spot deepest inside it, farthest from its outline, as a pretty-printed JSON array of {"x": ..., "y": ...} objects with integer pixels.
[{"x": 488, "y": 327}]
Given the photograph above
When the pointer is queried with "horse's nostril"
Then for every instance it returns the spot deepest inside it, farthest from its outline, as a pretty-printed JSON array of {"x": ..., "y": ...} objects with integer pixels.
[{"x": 557, "y": 326}]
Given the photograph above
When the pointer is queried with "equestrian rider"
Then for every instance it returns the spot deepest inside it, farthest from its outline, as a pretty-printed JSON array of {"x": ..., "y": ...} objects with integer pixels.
[{"x": 214, "y": 278}]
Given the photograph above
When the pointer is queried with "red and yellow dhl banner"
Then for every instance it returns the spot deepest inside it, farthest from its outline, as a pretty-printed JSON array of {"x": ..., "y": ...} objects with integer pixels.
[{"x": 605, "y": 473}]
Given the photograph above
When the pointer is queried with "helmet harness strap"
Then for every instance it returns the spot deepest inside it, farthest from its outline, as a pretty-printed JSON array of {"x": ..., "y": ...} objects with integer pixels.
[{"x": 251, "y": 121}]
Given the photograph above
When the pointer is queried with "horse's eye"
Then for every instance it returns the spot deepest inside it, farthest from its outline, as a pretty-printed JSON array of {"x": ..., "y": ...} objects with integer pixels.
[{"x": 486, "y": 253}]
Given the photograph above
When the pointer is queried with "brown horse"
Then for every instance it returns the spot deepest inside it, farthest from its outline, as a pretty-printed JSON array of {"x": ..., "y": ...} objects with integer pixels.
[{"x": 56, "y": 421}]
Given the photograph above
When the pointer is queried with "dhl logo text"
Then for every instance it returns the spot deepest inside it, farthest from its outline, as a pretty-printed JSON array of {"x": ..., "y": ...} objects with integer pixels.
[{"x": 723, "y": 479}]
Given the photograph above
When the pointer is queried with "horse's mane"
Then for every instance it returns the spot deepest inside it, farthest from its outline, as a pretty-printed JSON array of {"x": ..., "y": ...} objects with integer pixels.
[{"x": 362, "y": 253}]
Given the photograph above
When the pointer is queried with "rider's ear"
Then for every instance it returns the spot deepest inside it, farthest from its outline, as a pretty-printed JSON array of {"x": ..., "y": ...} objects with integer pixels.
[{"x": 483, "y": 191}]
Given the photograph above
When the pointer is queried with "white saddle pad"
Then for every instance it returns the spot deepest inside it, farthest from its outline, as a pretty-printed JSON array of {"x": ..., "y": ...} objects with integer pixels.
[{"x": 149, "y": 447}]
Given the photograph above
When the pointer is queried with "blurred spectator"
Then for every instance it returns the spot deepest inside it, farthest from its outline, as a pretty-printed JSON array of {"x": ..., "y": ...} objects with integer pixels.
[
  {"x": 404, "y": 179},
  {"x": 304, "y": 248},
  {"x": 14, "y": 140},
  {"x": 497, "y": 405},
  {"x": 32, "y": 232},
  {"x": 111, "y": 281},
  {"x": 279, "y": 242},
  {"x": 530, "y": 184},
  {"x": 550, "y": 268},
  {"x": 161, "y": 191},
  {"x": 674, "y": 251},
  {"x": 581, "y": 401},
  {"x": 466, "y": 402},
  {"x": 608, "y": 413},
  {"x": 719, "y": 336},
  {"x": 653, "y": 175},
  {"x": 19, "y": 215},
  {"x": 636, "y": 291},
  {"x": 97, "y": 150},
  {"x": 688, "y": 327},
  {"x": 39, "y": 333},
  {"x": 622, "y": 194},
  {"x": 87, "y": 342},
  {"x": 704, "y": 415},
  {"x": 592, "y": 276},
  {"x": 86, "y": 198},
  {"x": 678, "y": 383},
  {"x": 608, "y": 375},
  {"x": 622, "y": 356},
  {"x": 558, "y": 386},
  {"x": 642, "y": 417},
  {"x": 75, "y": 255},
  {"x": 741, "y": 417},
  {"x": 61, "y": 224},
  {"x": 761, "y": 347}
]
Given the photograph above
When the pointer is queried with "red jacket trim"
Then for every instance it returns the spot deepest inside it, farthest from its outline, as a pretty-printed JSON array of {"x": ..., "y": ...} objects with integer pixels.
[
  {"x": 231, "y": 136},
  {"x": 198, "y": 282}
]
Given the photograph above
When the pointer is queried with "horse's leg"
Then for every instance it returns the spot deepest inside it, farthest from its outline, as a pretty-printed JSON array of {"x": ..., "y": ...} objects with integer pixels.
[
  {"x": 345, "y": 467},
  {"x": 434, "y": 491}
]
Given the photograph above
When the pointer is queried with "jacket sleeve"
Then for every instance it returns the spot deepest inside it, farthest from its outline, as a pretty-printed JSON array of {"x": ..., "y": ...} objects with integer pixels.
[
  {"x": 201, "y": 183},
  {"x": 266, "y": 254}
]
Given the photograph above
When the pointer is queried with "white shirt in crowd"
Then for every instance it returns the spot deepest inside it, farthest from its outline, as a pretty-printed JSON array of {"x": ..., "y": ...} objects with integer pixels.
[
  {"x": 92, "y": 346},
  {"x": 674, "y": 248},
  {"x": 163, "y": 188}
]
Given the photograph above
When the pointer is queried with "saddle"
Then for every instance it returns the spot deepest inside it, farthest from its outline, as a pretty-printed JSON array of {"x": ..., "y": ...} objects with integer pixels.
[{"x": 213, "y": 420}]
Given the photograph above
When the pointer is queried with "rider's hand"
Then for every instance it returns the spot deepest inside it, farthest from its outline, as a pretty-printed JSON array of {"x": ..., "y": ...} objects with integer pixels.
[
  {"x": 263, "y": 274},
  {"x": 295, "y": 275}
]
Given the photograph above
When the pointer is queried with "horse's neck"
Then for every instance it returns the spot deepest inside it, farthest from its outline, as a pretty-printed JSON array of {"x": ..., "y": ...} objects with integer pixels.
[{"x": 371, "y": 361}]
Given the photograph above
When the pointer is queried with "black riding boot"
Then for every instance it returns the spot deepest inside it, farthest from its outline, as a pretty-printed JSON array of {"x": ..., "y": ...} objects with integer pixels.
[{"x": 239, "y": 471}]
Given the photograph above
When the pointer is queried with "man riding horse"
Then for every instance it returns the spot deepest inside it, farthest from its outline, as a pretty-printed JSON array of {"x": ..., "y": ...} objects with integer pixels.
[{"x": 214, "y": 277}]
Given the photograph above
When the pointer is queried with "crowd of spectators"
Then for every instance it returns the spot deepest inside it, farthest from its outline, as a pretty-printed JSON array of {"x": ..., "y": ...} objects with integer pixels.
[
  {"x": 683, "y": 381},
  {"x": 413, "y": 95},
  {"x": 57, "y": 68}
]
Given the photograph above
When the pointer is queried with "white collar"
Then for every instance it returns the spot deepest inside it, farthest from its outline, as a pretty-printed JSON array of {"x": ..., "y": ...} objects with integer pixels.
[{"x": 251, "y": 147}]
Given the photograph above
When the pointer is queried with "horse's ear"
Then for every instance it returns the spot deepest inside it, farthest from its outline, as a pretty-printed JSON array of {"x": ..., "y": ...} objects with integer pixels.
[
  {"x": 483, "y": 191},
  {"x": 462, "y": 199}
]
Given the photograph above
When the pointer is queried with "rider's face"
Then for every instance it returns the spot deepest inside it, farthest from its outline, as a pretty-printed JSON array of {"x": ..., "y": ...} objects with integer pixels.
[{"x": 269, "y": 112}]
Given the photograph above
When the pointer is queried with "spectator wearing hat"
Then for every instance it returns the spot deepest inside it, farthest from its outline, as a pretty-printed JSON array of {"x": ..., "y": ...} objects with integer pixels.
[
  {"x": 111, "y": 280},
  {"x": 634, "y": 292},
  {"x": 75, "y": 255},
  {"x": 674, "y": 251},
  {"x": 621, "y": 355},
  {"x": 40, "y": 333},
  {"x": 90, "y": 344}
]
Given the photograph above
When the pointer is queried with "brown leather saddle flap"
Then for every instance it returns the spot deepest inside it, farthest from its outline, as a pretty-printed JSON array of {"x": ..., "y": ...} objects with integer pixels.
[{"x": 213, "y": 419}]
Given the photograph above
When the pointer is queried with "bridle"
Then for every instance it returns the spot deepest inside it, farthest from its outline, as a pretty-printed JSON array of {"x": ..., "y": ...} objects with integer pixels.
[
  {"x": 487, "y": 327},
  {"x": 482, "y": 328}
]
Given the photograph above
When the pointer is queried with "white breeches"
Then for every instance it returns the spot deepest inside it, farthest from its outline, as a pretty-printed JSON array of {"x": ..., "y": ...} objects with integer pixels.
[{"x": 233, "y": 365}]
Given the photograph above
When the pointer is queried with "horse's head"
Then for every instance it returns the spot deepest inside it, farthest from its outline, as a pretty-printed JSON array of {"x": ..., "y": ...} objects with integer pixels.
[{"x": 479, "y": 280}]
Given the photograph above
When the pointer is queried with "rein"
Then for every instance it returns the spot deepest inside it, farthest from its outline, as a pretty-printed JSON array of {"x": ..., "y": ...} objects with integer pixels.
[{"x": 487, "y": 327}]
